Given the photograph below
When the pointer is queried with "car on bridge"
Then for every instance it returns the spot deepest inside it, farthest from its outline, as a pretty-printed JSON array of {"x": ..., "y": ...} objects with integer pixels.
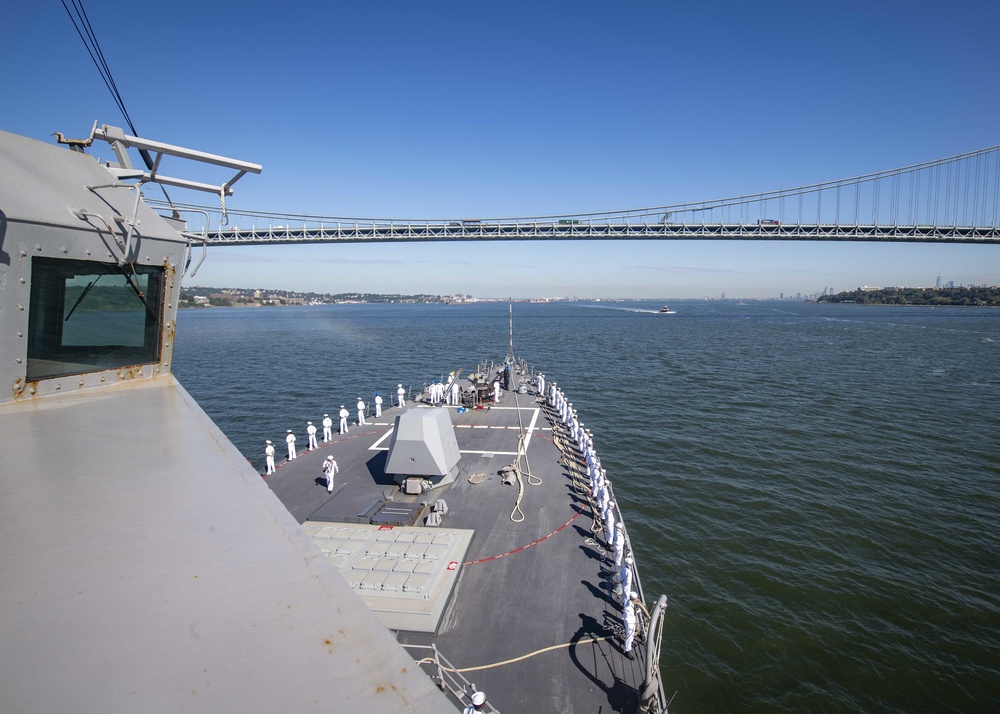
[{"x": 768, "y": 222}]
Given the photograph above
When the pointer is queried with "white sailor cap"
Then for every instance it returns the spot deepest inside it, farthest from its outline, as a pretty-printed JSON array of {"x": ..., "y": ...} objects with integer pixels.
[
  {"x": 399, "y": 385},
  {"x": 267, "y": 441},
  {"x": 634, "y": 595},
  {"x": 341, "y": 406},
  {"x": 620, "y": 526},
  {"x": 628, "y": 558},
  {"x": 478, "y": 699},
  {"x": 308, "y": 422},
  {"x": 326, "y": 415},
  {"x": 289, "y": 431}
]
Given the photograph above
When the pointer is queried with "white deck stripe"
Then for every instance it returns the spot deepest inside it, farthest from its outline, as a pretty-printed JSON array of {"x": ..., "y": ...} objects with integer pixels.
[{"x": 375, "y": 446}]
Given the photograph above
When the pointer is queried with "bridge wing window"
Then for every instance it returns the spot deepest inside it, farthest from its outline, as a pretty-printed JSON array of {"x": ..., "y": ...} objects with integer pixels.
[{"x": 86, "y": 316}]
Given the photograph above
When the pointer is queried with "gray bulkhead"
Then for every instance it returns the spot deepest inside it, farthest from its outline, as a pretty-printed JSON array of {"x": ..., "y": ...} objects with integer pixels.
[{"x": 146, "y": 566}]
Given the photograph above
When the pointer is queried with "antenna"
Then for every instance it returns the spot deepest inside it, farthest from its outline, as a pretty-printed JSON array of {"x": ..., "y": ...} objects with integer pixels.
[{"x": 510, "y": 303}]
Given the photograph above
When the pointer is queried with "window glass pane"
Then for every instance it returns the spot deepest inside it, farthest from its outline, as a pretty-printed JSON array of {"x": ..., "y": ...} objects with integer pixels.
[{"x": 87, "y": 316}]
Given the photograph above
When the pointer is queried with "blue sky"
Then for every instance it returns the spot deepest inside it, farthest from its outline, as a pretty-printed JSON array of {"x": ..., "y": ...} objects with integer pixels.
[{"x": 466, "y": 109}]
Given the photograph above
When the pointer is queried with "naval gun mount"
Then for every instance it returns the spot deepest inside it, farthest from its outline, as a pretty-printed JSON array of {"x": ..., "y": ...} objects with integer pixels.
[{"x": 423, "y": 450}]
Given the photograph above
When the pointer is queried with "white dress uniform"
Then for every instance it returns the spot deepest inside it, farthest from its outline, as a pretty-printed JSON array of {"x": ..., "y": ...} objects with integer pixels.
[
  {"x": 290, "y": 440},
  {"x": 343, "y": 419},
  {"x": 269, "y": 457},
  {"x": 454, "y": 392},
  {"x": 496, "y": 391},
  {"x": 361, "y": 413},
  {"x": 378, "y": 405},
  {"x": 609, "y": 524},
  {"x": 330, "y": 468},
  {"x": 327, "y": 428},
  {"x": 628, "y": 617},
  {"x": 400, "y": 396},
  {"x": 625, "y": 578},
  {"x": 619, "y": 544},
  {"x": 311, "y": 431}
]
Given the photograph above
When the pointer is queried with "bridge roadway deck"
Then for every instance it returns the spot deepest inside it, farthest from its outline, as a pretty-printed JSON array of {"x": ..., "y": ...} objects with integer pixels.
[
  {"x": 388, "y": 232},
  {"x": 509, "y": 600}
]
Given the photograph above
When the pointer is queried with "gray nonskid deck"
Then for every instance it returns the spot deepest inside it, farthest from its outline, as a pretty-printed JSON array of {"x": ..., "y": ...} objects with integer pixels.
[{"x": 544, "y": 582}]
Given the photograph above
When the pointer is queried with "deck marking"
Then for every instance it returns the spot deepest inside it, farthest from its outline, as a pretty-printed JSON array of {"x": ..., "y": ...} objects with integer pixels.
[
  {"x": 375, "y": 446},
  {"x": 524, "y": 547},
  {"x": 531, "y": 428}
]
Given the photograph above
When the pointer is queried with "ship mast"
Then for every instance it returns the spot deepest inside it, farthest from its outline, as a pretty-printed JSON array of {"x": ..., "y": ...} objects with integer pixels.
[{"x": 510, "y": 304}]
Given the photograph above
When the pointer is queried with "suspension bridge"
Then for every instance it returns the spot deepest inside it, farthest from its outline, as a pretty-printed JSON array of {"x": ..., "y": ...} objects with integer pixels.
[{"x": 950, "y": 200}]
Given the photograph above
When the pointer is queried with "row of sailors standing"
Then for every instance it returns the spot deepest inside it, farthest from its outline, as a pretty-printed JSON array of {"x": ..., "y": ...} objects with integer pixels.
[
  {"x": 600, "y": 491},
  {"x": 327, "y": 423}
]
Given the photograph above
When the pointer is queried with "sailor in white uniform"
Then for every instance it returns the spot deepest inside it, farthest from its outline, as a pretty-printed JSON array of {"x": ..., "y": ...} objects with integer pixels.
[
  {"x": 496, "y": 391},
  {"x": 290, "y": 440},
  {"x": 619, "y": 544},
  {"x": 378, "y": 405},
  {"x": 269, "y": 456},
  {"x": 454, "y": 393},
  {"x": 541, "y": 384},
  {"x": 330, "y": 469},
  {"x": 452, "y": 381},
  {"x": 311, "y": 431},
  {"x": 361, "y": 413},
  {"x": 343, "y": 419},
  {"x": 625, "y": 578},
  {"x": 400, "y": 395},
  {"x": 628, "y": 618},
  {"x": 609, "y": 524},
  {"x": 478, "y": 702},
  {"x": 327, "y": 428}
]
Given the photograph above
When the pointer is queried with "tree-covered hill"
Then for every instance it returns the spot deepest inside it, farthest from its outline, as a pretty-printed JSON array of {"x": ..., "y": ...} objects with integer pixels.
[{"x": 971, "y": 296}]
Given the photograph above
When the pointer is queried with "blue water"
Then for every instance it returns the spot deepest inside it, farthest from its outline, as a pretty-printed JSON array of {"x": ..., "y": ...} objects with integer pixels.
[{"x": 815, "y": 487}]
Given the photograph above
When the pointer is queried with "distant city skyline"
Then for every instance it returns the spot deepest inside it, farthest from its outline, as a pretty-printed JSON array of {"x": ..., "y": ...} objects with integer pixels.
[{"x": 459, "y": 109}]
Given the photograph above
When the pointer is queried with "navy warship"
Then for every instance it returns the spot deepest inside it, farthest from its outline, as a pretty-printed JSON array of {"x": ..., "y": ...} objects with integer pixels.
[{"x": 460, "y": 558}]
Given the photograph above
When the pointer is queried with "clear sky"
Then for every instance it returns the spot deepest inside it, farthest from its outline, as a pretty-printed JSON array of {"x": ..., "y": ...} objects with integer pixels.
[{"x": 469, "y": 109}]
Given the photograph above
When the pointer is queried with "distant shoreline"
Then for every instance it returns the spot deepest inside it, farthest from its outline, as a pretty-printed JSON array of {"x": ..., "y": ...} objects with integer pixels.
[{"x": 918, "y": 297}]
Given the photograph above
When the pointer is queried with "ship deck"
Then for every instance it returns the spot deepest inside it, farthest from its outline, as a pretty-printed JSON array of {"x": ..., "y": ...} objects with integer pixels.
[{"x": 495, "y": 590}]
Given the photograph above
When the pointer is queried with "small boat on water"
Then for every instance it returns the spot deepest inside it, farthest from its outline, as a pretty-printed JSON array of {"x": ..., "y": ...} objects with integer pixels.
[{"x": 665, "y": 310}]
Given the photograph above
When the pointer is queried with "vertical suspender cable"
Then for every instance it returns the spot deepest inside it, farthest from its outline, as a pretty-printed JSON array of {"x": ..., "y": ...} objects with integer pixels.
[
  {"x": 975, "y": 197},
  {"x": 996, "y": 187}
]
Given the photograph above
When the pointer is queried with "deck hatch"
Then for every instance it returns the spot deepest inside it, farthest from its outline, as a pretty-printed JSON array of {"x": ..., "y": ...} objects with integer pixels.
[{"x": 401, "y": 573}]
